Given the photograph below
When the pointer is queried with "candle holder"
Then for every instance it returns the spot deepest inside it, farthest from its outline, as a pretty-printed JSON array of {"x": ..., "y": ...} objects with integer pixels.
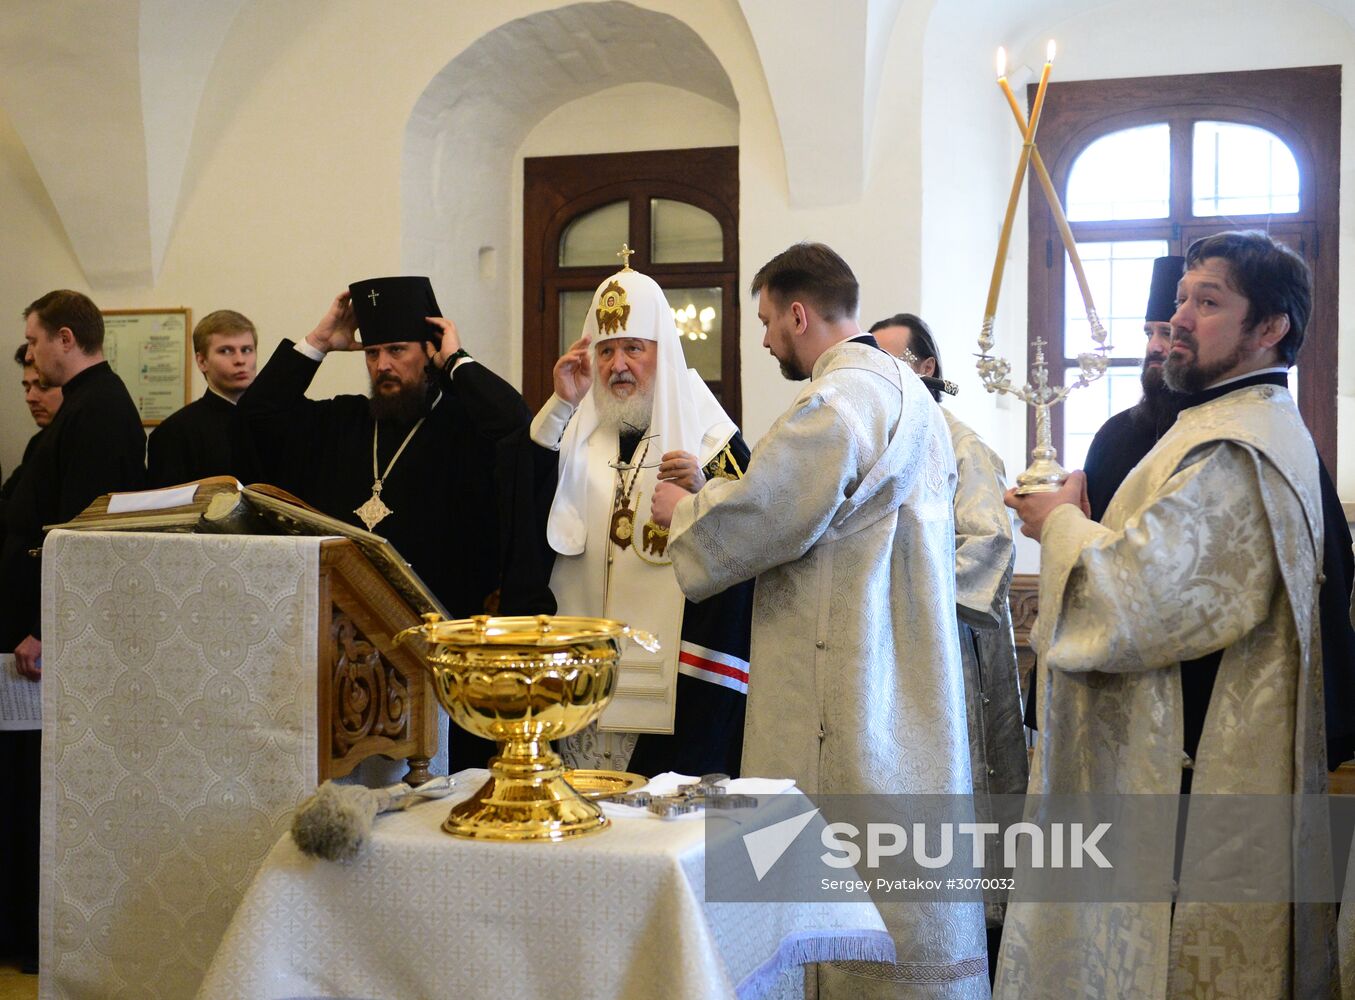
[{"x": 1044, "y": 474}]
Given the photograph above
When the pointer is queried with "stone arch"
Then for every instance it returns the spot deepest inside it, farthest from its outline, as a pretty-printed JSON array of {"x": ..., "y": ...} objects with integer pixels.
[{"x": 457, "y": 185}]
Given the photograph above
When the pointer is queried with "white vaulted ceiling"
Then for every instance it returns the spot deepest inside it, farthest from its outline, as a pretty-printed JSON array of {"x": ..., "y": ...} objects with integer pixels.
[{"x": 104, "y": 94}]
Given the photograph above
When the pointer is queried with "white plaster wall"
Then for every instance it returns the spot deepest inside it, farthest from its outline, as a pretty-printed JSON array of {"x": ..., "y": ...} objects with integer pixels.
[
  {"x": 38, "y": 257},
  {"x": 293, "y": 182}
]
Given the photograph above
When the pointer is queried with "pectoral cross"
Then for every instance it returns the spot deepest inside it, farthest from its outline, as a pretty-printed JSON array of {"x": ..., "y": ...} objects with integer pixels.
[
  {"x": 372, "y": 295},
  {"x": 625, "y": 255}
]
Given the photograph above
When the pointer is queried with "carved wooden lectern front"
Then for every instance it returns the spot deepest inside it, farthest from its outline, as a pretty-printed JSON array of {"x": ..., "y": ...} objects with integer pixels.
[{"x": 373, "y": 697}]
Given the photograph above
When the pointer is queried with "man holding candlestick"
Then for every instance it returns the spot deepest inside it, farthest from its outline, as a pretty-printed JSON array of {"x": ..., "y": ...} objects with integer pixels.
[
  {"x": 1209, "y": 553},
  {"x": 1127, "y": 437}
]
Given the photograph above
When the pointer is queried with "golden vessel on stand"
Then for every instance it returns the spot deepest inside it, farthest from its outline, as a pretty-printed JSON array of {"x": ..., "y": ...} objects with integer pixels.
[{"x": 522, "y": 682}]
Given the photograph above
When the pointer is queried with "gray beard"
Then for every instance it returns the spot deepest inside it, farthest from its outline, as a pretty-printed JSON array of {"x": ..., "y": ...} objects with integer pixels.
[{"x": 632, "y": 413}]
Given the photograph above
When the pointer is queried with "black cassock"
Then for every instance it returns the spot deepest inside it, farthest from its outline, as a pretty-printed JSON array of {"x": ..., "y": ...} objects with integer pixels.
[
  {"x": 198, "y": 441},
  {"x": 94, "y": 445},
  {"x": 12, "y": 480},
  {"x": 443, "y": 491},
  {"x": 444, "y": 511},
  {"x": 1118, "y": 446}
]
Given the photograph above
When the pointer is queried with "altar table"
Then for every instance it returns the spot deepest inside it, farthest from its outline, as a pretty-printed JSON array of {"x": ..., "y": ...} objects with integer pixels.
[{"x": 620, "y": 913}]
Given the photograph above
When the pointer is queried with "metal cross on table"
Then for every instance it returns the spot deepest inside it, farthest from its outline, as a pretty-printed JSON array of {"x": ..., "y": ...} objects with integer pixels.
[
  {"x": 625, "y": 255},
  {"x": 372, "y": 295},
  {"x": 706, "y": 793}
]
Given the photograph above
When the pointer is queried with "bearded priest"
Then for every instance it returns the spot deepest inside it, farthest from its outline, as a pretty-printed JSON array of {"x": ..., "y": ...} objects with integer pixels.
[
  {"x": 415, "y": 462},
  {"x": 626, "y": 414},
  {"x": 1205, "y": 568}
]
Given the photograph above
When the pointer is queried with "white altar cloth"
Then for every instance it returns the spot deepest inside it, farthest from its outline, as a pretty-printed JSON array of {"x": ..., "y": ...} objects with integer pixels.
[
  {"x": 179, "y": 708},
  {"x": 618, "y": 914}
]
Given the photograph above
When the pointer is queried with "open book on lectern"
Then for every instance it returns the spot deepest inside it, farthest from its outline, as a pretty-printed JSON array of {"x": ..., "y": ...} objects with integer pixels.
[{"x": 222, "y": 505}]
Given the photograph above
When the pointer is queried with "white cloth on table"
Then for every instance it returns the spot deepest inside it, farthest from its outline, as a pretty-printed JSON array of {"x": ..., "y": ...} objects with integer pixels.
[{"x": 617, "y": 914}]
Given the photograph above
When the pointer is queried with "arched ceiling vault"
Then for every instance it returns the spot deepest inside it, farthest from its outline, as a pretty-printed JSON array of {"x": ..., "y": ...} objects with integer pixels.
[{"x": 105, "y": 94}]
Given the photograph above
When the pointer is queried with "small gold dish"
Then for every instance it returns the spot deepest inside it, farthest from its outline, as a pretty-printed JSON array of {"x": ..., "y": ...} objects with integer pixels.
[{"x": 604, "y": 784}]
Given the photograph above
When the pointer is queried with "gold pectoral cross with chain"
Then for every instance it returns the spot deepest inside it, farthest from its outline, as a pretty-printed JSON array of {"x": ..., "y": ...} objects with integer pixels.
[{"x": 373, "y": 511}]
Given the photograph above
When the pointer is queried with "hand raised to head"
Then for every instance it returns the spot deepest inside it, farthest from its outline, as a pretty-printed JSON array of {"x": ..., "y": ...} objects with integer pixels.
[
  {"x": 450, "y": 341},
  {"x": 573, "y": 373},
  {"x": 337, "y": 329}
]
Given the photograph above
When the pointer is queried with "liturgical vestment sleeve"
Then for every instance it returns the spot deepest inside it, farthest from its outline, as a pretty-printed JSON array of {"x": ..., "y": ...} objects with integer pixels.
[
  {"x": 797, "y": 479},
  {"x": 1193, "y": 572},
  {"x": 983, "y": 536}
]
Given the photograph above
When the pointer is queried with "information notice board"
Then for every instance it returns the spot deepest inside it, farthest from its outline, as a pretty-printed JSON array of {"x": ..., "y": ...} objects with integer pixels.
[{"x": 151, "y": 349}]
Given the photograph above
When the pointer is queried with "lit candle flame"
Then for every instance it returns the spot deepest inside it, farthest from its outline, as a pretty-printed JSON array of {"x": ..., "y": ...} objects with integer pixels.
[
  {"x": 1001, "y": 62},
  {"x": 1049, "y": 51}
]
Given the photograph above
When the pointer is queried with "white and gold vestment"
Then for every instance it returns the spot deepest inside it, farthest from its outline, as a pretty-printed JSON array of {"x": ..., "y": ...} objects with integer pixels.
[{"x": 1212, "y": 542}]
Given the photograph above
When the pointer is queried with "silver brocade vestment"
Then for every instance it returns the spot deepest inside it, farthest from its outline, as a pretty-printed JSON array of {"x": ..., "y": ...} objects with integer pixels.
[
  {"x": 845, "y": 518},
  {"x": 1213, "y": 541},
  {"x": 984, "y": 559}
]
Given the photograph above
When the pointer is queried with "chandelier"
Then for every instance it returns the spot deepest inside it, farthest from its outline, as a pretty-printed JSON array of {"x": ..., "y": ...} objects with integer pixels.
[{"x": 692, "y": 324}]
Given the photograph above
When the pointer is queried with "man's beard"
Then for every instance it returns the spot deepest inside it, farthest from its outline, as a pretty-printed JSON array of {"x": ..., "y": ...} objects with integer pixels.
[
  {"x": 1151, "y": 379},
  {"x": 403, "y": 406},
  {"x": 1190, "y": 376},
  {"x": 630, "y": 414},
  {"x": 1159, "y": 404},
  {"x": 790, "y": 372}
]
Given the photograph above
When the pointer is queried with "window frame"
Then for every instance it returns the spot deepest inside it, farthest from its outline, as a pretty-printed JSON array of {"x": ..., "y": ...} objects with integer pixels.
[
  {"x": 1302, "y": 106},
  {"x": 559, "y": 189}
]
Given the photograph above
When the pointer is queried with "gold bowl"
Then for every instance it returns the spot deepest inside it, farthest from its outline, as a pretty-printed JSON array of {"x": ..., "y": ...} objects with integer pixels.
[{"x": 522, "y": 682}]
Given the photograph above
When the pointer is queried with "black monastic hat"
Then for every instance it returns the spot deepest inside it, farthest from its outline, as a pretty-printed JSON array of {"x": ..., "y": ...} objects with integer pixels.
[
  {"x": 393, "y": 309},
  {"x": 1167, "y": 273}
]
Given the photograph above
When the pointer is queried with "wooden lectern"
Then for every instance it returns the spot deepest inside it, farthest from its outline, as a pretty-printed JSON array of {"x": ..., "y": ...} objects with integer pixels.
[{"x": 373, "y": 697}]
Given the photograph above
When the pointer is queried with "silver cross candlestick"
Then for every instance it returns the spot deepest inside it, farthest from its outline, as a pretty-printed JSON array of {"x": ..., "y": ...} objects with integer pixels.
[{"x": 1044, "y": 474}]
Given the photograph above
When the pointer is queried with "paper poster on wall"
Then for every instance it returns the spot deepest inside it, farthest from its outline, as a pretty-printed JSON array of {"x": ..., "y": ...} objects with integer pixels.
[{"x": 150, "y": 349}]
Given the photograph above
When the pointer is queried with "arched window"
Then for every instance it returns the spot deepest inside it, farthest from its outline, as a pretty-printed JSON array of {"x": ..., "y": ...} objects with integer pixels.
[
  {"x": 1148, "y": 166},
  {"x": 677, "y": 209}
]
